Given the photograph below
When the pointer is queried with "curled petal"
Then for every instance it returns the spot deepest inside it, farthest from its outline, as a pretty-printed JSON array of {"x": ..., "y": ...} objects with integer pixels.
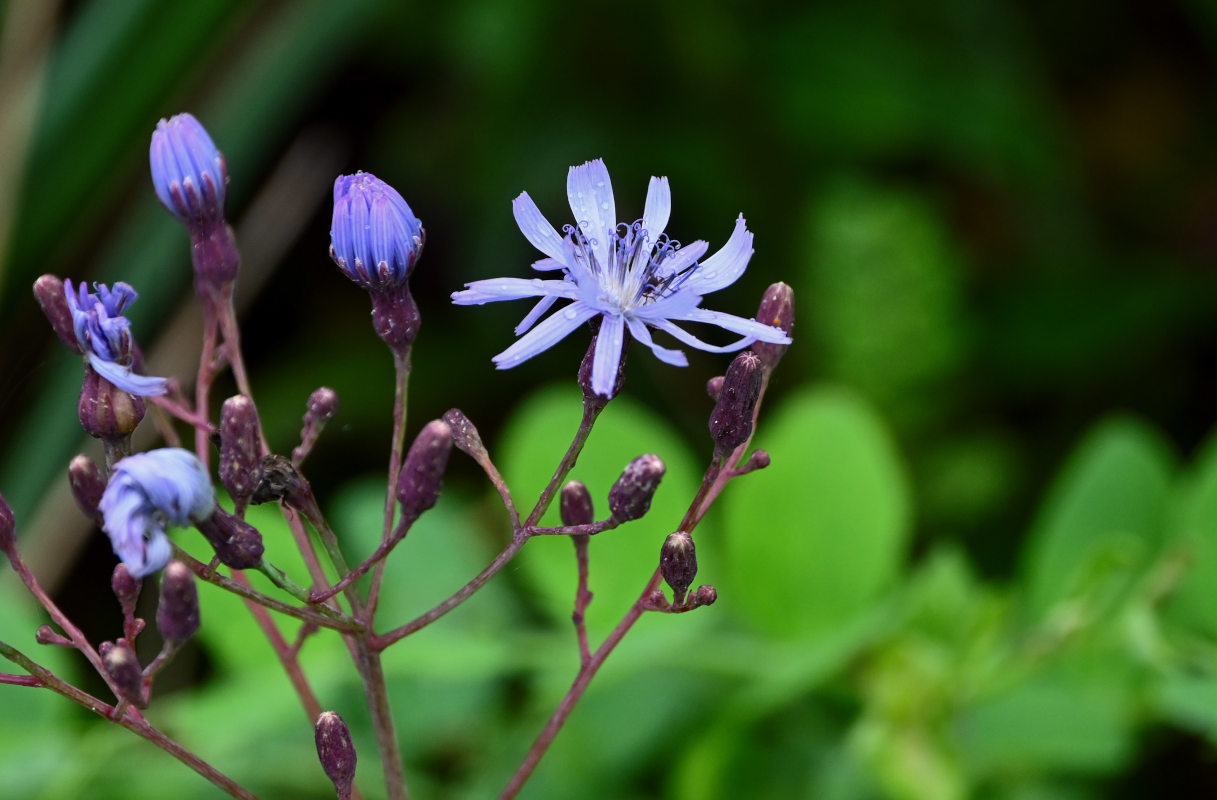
[
  {"x": 639, "y": 331},
  {"x": 554, "y": 329},
  {"x": 730, "y": 322},
  {"x": 693, "y": 341},
  {"x": 724, "y": 267},
  {"x": 536, "y": 228},
  {"x": 128, "y": 381}
]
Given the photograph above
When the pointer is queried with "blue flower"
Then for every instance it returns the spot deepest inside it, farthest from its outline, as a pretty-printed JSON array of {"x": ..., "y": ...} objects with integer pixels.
[
  {"x": 146, "y": 493},
  {"x": 375, "y": 237},
  {"x": 105, "y": 335},
  {"x": 188, "y": 172},
  {"x": 631, "y": 275}
]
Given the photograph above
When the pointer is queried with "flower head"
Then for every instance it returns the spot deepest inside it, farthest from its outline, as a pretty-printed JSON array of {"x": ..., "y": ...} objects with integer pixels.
[
  {"x": 188, "y": 172},
  {"x": 105, "y": 335},
  {"x": 148, "y": 492},
  {"x": 375, "y": 237},
  {"x": 631, "y": 275}
]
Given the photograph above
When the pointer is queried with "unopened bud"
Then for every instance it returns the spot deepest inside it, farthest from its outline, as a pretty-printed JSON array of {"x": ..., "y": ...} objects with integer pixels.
[
  {"x": 47, "y": 635},
  {"x": 422, "y": 474},
  {"x": 8, "y": 527},
  {"x": 591, "y": 398},
  {"x": 240, "y": 448},
  {"x": 48, "y": 291},
  {"x": 237, "y": 543},
  {"x": 280, "y": 481},
  {"x": 105, "y": 411},
  {"x": 126, "y": 589},
  {"x": 336, "y": 752},
  {"x": 88, "y": 485},
  {"x": 777, "y": 309},
  {"x": 322, "y": 406},
  {"x": 631, "y": 495},
  {"x": 705, "y": 595},
  {"x": 714, "y": 387},
  {"x": 731, "y": 421},
  {"x": 124, "y": 670},
  {"x": 465, "y": 436},
  {"x": 678, "y": 562},
  {"x": 576, "y": 504},
  {"x": 177, "y": 614}
]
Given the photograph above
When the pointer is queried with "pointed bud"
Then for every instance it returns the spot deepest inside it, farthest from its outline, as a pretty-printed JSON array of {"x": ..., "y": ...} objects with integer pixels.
[
  {"x": 678, "y": 563},
  {"x": 336, "y": 752},
  {"x": 8, "y": 528},
  {"x": 240, "y": 449},
  {"x": 123, "y": 668},
  {"x": 322, "y": 406},
  {"x": 576, "y": 504},
  {"x": 464, "y": 435},
  {"x": 88, "y": 485},
  {"x": 714, "y": 387},
  {"x": 592, "y": 399},
  {"x": 177, "y": 614},
  {"x": 280, "y": 481},
  {"x": 731, "y": 421},
  {"x": 105, "y": 411},
  {"x": 237, "y": 543},
  {"x": 705, "y": 595},
  {"x": 758, "y": 460},
  {"x": 375, "y": 239},
  {"x": 48, "y": 291},
  {"x": 422, "y": 474},
  {"x": 631, "y": 495},
  {"x": 126, "y": 589},
  {"x": 188, "y": 172},
  {"x": 47, "y": 635},
  {"x": 777, "y": 309}
]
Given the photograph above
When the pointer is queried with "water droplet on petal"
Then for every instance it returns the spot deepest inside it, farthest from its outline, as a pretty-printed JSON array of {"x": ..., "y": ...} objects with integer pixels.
[
  {"x": 604, "y": 206},
  {"x": 569, "y": 312}
]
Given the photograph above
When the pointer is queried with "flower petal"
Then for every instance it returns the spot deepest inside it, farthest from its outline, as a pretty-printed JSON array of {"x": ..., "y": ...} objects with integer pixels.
[
  {"x": 605, "y": 361},
  {"x": 682, "y": 259},
  {"x": 724, "y": 267},
  {"x": 553, "y": 330},
  {"x": 639, "y": 331},
  {"x": 740, "y": 325},
  {"x": 537, "y": 312},
  {"x": 591, "y": 199},
  {"x": 128, "y": 381},
  {"x": 494, "y": 289},
  {"x": 545, "y": 264},
  {"x": 536, "y": 228},
  {"x": 690, "y": 339},
  {"x": 658, "y": 208}
]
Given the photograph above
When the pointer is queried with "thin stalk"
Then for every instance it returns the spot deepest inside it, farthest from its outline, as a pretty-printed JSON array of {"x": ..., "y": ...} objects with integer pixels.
[
  {"x": 401, "y": 365},
  {"x": 590, "y": 412},
  {"x": 583, "y": 597},
  {"x": 377, "y": 695},
  {"x": 202, "y": 388}
]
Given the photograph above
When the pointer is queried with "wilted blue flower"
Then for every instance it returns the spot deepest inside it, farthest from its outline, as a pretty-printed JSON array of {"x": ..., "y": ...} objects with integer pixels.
[
  {"x": 105, "y": 335},
  {"x": 630, "y": 275},
  {"x": 146, "y": 493},
  {"x": 375, "y": 237},
  {"x": 188, "y": 172}
]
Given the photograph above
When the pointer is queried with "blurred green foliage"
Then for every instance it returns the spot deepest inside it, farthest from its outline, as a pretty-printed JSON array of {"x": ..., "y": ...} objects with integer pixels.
[{"x": 984, "y": 560}]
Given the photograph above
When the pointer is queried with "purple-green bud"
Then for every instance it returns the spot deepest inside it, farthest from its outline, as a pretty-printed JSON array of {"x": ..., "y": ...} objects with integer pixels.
[
  {"x": 240, "y": 448},
  {"x": 586, "y": 367},
  {"x": 576, "y": 504},
  {"x": 336, "y": 752},
  {"x": 48, "y": 291},
  {"x": 465, "y": 436},
  {"x": 631, "y": 495},
  {"x": 731, "y": 421},
  {"x": 8, "y": 527},
  {"x": 280, "y": 481},
  {"x": 777, "y": 309},
  {"x": 705, "y": 595},
  {"x": 105, "y": 411},
  {"x": 237, "y": 543},
  {"x": 678, "y": 562},
  {"x": 124, "y": 670},
  {"x": 714, "y": 387},
  {"x": 88, "y": 485},
  {"x": 126, "y": 588},
  {"x": 422, "y": 474},
  {"x": 177, "y": 614}
]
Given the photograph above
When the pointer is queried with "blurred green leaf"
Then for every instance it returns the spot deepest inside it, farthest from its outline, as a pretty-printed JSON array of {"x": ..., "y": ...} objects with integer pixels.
[
  {"x": 813, "y": 540},
  {"x": 1193, "y": 603}
]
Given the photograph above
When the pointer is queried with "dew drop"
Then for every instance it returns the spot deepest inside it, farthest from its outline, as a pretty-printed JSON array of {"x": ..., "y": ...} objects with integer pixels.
[
  {"x": 569, "y": 312},
  {"x": 604, "y": 206}
]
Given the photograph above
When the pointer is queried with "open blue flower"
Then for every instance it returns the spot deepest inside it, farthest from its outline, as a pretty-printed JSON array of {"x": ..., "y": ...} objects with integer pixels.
[
  {"x": 631, "y": 275},
  {"x": 105, "y": 335},
  {"x": 148, "y": 492},
  {"x": 374, "y": 236}
]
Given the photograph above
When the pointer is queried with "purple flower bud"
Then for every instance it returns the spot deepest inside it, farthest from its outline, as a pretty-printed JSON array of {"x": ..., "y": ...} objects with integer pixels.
[
  {"x": 374, "y": 238},
  {"x": 123, "y": 668},
  {"x": 678, "y": 563},
  {"x": 422, "y": 474},
  {"x": 336, "y": 752},
  {"x": 237, "y": 543},
  {"x": 731, "y": 421},
  {"x": 464, "y": 435},
  {"x": 714, "y": 387},
  {"x": 47, "y": 635},
  {"x": 705, "y": 595},
  {"x": 106, "y": 411},
  {"x": 126, "y": 589},
  {"x": 322, "y": 406},
  {"x": 49, "y": 292},
  {"x": 777, "y": 309},
  {"x": 631, "y": 495},
  {"x": 395, "y": 317},
  {"x": 177, "y": 614},
  {"x": 240, "y": 448},
  {"x": 8, "y": 527},
  {"x": 575, "y": 504},
  {"x": 147, "y": 492},
  {"x": 188, "y": 172},
  {"x": 88, "y": 484},
  {"x": 104, "y": 335},
  {"x": 280, "y": 481}
]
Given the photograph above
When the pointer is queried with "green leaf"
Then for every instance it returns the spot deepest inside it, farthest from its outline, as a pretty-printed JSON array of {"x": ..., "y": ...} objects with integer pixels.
[
  {"x": 1193, "y": 603},
  {"x": 813, "y": 540},
  {"x": 1106, "y": 510}
]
